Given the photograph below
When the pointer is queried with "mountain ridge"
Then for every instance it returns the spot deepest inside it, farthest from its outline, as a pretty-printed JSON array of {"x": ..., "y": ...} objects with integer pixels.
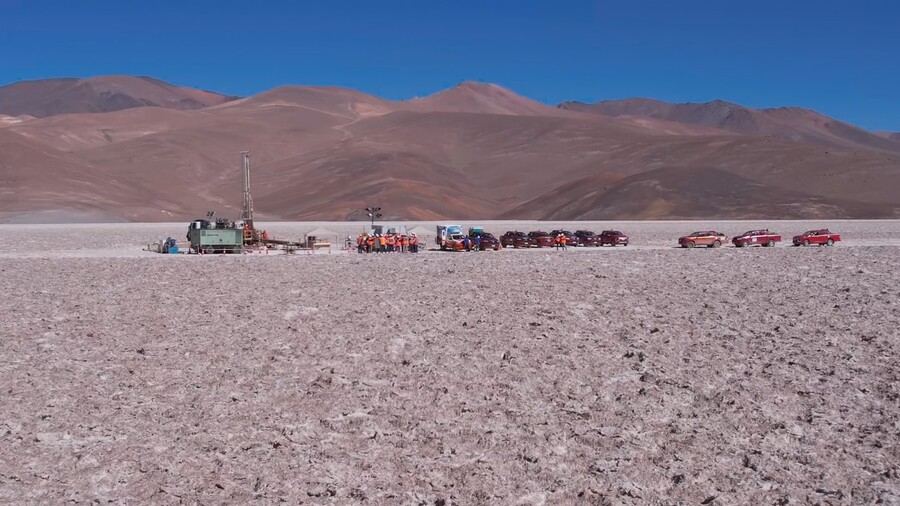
[
  {"x": 68, "y": 95},
  {"x": 788, "y": 123},
  {"x": 474, "y": 151}
]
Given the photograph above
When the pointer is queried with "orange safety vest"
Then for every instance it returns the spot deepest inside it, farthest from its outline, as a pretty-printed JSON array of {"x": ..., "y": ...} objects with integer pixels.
[
  {"x": 371, "y": 241},
  {"x": 390, "y": 240},
  {"x": 382, "y": 241},
  {"x": 406, "y": 241}
]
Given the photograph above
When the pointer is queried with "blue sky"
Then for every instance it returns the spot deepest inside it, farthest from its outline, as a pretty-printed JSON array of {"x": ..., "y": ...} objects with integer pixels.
[{"x": 841, "y": 58}]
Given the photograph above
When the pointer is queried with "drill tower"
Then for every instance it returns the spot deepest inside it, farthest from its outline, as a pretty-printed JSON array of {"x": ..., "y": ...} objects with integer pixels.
[{"x": 247, "y": 206}]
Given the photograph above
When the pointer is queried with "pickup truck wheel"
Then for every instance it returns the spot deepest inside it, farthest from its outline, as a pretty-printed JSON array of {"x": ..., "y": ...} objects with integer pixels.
[
  {"x": 806, "y": 242},
  {"x": 690, "y": 244},
  {"x": 770, "y": 244},
  {"x": 829, "y": 242}
]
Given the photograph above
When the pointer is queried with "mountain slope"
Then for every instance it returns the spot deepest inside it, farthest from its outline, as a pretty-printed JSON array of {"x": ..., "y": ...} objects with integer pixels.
[
  {"x": 34, "y": 177},
  {"x": 787, "y": 123},
  {"x": 477, "y": 151},
  {"x": 49, "y": 97},
  {"x": 691, "y": 193}
]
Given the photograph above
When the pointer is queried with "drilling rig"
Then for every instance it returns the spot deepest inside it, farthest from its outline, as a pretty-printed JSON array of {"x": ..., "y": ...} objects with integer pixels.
[
  {"x": 224, "y": 236},
  {"x": 251, "y": 235}
]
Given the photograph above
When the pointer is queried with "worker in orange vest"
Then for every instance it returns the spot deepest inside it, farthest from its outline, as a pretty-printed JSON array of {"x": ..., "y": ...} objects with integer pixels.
[
  {"x": 405, "y": 243},
  {"x": 390, "y": 240},
  {"x": 370, "y": 244},
  {"x": 382, "y": 244}
]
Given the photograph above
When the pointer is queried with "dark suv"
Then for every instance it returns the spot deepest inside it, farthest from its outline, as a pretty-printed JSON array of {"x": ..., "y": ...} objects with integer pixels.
[
  {"x": 587, "y": 238},
  {"x": 515, "y": 240},
  {"x": 488, "y": 241}
]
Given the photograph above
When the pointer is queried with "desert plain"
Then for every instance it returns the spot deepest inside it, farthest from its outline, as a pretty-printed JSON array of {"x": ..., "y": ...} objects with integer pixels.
[{"x": 639, "y": 375}]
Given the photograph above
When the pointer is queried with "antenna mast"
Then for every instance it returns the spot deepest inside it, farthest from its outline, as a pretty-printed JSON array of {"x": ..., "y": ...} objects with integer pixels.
[{"x": 247, "y": 207}]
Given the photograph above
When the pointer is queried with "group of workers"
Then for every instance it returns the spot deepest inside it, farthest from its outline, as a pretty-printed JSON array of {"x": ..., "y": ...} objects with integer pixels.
[
  {"x": 387, "y": 243},
  {"x": 560, "y": 241}
]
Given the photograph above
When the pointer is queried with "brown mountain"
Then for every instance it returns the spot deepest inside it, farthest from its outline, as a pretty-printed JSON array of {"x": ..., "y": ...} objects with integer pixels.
[
  {"x": 49, "y": 97},
  {"x": 788, "y": 123},
  {"x": 486, "y": 98},
  {"x": 35, "y": 178},
  {"x": 475, "y": 151}
]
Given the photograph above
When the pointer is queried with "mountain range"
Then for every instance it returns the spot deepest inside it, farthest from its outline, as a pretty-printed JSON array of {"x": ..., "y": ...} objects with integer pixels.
[{"x": 135, "y": 148}]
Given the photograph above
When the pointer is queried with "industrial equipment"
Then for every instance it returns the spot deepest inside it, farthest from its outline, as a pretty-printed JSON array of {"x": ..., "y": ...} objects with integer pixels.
[{"x": 220, "y": 237}]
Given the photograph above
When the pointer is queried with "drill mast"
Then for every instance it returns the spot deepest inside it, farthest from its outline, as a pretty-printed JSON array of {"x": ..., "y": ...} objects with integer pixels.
[{"x": 247, "y": 206}]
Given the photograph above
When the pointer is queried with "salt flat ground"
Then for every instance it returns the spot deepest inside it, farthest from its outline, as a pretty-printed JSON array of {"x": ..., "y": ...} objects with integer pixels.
[{"x": 647, "y": 375}]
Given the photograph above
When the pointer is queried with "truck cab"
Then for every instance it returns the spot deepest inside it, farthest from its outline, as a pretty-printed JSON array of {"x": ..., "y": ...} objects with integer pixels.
[{"x": 449, "y": 237}]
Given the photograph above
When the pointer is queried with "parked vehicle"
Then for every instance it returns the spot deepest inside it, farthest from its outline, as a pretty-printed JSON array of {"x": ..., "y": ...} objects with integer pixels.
[
  {"x": 613, "y": 238},
  {"x": 515, "y": 240},
  {"x": 488, "y": 241},
  {"x": 756, "y": 238},
  {"x": 449, "y": 237},
  {"x": 587, "y": 238},
  {"x": 571, "y": 239},
  {"x": 821, "y": 237},
  {"x": 540, "y": 239},
  {"x": 708, "y": 238}
]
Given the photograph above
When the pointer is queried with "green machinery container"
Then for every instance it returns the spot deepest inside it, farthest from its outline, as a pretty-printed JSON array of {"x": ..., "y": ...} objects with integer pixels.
[{"x": 216, "y": 240}]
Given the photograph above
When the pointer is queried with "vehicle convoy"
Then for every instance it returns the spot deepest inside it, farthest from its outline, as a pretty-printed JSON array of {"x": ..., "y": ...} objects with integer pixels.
[
  {"x": 449, "y": 237},
  {"x": 756, "y": 238},
  {"x": 571, "y": 239},
  {"x": 587, "y": 238},
  {"x": 821, "y": 237},
  {"x": 708, "y": 238},
  {"x": 540, "y": 239},
  {"x": 514, "y": 239},
  {"x": 613, "y": 238}
]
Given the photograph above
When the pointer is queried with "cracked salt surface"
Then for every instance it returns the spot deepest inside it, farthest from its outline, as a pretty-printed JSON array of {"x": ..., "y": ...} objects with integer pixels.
[{"x": 649, "y": 376}]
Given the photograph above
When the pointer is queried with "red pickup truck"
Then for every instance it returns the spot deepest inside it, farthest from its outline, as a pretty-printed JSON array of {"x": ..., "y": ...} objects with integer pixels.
[
  {"x": 821, "y": 237},
  {"x": 541, "y": 239},
  {"x": 756, "y": 238}
]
